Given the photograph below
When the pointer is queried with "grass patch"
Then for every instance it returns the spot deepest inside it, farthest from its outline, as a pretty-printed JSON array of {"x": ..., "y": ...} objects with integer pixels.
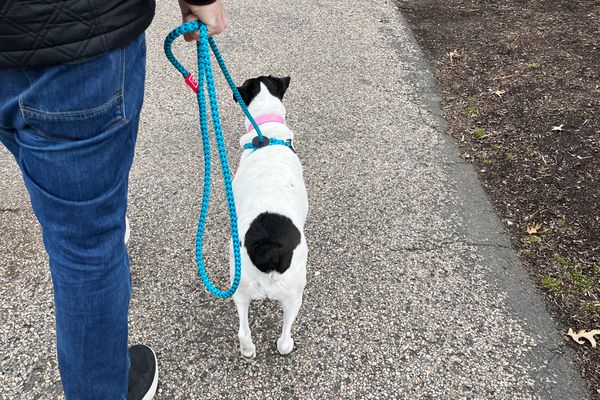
[
  {"x": 580, "y": 281},
  {"x": 533, "y": 239},
  {"x": 533, "y": 65},
  {"x": 471, "y": 111},
  {"x": 590, "y": 308},
  {"x": 510, "y": 156},
  {"x": 479, "y": 133},
  {"x": 564, "y": 261},
  {"x": 552, "y": 284}
]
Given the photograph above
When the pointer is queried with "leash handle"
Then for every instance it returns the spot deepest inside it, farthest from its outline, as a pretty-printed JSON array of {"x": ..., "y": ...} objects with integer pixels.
[{"x": 205, "y": 75}]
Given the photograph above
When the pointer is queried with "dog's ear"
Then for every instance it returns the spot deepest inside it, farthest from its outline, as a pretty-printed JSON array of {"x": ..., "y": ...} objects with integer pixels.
[
  {"x": 278, "y": 86},
  {"x": 249, "y": 90},
  {"x": 285, "y": 81}
]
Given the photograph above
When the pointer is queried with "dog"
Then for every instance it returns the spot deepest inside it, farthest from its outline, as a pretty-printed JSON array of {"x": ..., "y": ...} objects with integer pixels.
[{"x": 272, "y": 206}]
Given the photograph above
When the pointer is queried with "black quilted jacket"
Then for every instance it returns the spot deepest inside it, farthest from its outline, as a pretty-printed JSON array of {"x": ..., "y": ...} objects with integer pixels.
[
  {"x": 38, "y": 32},
  {"x": 42, "y": 32}
]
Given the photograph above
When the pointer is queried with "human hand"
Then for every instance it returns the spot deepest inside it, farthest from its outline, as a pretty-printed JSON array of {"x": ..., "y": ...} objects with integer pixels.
[{"x": 212, "y": 15}]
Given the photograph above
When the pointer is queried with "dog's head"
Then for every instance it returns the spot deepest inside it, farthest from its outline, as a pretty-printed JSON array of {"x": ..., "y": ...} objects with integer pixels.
[{"x": 252, "y": 87}]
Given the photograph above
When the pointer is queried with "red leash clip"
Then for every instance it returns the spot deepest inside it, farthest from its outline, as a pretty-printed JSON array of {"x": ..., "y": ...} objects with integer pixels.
[{"x": 191, "y": 82}]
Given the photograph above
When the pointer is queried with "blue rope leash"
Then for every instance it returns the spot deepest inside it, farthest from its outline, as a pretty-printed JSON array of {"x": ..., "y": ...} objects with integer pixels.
[{"x": 205, "y": 74}]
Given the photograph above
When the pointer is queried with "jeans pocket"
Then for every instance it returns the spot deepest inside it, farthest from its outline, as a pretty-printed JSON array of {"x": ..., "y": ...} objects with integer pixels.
[{"x": 71, "y": 102}]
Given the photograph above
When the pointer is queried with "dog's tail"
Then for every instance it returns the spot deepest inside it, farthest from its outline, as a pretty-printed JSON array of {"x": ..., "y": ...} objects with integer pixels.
[{"x": 270, "y": 242}]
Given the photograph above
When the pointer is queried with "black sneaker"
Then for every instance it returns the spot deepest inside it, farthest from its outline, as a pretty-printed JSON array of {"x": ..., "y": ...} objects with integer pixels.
[{"x": 143, "y": 373}]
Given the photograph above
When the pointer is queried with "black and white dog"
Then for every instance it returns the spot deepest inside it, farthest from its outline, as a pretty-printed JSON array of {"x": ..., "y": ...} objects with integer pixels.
[{"x": 272, "y": 205}]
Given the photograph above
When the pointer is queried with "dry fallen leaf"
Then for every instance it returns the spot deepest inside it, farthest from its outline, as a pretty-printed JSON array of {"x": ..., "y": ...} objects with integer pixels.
[
  {"x": 499, "y": 93},
  {"x": 452, "y": 55},
  {"x": 533, "y": 229},
  {"x": 558, "y": 128},
  {"x": 583, "y": 334}
]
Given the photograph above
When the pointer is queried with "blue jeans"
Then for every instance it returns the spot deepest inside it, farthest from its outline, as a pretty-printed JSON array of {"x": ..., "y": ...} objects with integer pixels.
[{"x": 72, "y": 129}]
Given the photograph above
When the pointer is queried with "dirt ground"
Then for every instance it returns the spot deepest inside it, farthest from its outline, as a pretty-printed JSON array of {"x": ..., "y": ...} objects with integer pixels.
[{"x": 521, "y": 86}]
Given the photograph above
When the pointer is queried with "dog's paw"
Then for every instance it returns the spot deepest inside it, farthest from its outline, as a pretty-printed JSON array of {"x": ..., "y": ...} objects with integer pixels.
[
  {"x": 248, "y": 351},
  {"x": 285, "y": 345}
]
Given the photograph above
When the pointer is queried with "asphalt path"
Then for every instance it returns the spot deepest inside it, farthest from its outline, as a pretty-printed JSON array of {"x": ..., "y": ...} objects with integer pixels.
[{"x": 413, "y": 288}]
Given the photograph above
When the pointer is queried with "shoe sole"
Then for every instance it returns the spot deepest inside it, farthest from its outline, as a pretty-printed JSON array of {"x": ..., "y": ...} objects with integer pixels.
[{"x": 152, "y": 391}]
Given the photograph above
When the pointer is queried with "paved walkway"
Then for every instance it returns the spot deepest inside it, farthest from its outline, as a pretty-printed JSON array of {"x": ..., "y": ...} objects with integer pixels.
[{"x": 413, "y": 289}]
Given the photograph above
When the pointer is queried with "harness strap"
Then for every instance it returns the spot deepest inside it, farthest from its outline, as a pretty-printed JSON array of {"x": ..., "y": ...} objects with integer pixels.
[{"x": 253, "y": 145}]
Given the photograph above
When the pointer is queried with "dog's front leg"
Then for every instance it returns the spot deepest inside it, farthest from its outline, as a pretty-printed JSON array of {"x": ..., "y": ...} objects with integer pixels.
[
  {"x": 247, "y": 348},
  {"x": 291, "y": 306}
]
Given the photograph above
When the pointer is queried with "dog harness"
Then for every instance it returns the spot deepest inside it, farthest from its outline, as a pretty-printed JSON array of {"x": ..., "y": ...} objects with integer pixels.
[{"x": 256, "y": 144}]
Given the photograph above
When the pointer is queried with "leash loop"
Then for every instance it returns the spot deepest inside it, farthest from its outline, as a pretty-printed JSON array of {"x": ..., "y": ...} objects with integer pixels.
[{"x": 205, "y": 76}]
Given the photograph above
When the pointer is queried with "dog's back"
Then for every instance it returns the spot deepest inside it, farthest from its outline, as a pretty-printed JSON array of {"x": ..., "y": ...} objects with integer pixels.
[{"x": 272, "y": 206}]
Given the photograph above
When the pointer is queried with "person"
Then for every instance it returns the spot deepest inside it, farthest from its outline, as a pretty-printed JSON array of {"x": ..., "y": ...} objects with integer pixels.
[{"x": 71, "y": 89}]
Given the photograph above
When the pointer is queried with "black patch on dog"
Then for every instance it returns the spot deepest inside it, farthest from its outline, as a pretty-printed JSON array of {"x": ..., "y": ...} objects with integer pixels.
[
  {"x": 270, "y": 242},
  {"x": 251, "y": 88}
]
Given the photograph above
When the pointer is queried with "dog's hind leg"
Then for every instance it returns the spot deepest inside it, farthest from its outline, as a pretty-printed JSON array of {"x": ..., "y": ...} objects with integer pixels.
[
  {"x": 291, "y": 306},
  {"x": 247, "y": 348}
]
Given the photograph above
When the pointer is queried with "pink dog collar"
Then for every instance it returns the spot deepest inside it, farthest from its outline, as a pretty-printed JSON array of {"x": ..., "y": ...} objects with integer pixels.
[{"x": 263, "y": 119}]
